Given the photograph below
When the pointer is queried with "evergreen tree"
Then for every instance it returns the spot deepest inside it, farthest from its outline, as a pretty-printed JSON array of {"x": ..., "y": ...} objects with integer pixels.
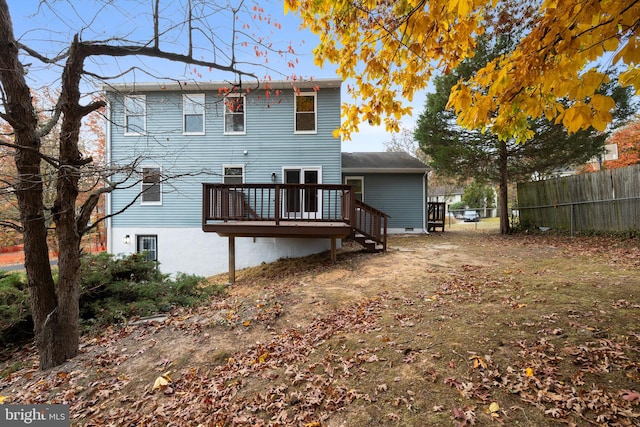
[{"x": 462, "y": 153}]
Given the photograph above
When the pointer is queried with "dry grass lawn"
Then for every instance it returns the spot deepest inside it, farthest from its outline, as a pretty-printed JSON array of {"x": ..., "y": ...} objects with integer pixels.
[{"x": 465, "y": 327}]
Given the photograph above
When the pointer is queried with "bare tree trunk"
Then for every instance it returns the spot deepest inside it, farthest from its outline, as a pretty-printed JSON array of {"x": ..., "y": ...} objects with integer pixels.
[
  {"x": 505, "y": 228},
  {"x": 65, "y": 216},
  {"x": 64, "y": 207},
  {"x": 29, "y": 190}
]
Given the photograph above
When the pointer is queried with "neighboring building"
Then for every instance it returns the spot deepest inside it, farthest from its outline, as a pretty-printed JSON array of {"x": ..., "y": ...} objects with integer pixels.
[
  {"x": 393, "y": 182},
  {"x": 452, "y": 194},
  {"x": 280, "y": 135},
  {"x": 446, "y": 194}
]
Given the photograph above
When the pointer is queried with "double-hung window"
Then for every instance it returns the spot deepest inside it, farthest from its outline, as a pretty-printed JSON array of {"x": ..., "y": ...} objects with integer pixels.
[
  {"x": 233, "y": 174},
  {"x": 234, "y": 114},
  {"x": 305, "y": 108},
  {"x": 135, "y": 114},
  {"x": 357, "y": 182},
  {"x": 193, "y": 111},
  {"x": 151, "y": 186}
]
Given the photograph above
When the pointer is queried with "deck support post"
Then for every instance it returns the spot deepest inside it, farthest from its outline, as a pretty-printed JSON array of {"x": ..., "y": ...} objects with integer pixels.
[
  {"x": 232, "y": 259},
  {"x": 333, "y": 249}
]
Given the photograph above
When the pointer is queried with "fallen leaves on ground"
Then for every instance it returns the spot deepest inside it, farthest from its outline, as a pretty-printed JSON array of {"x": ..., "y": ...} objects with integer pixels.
[{"x": 502, "y": 341}]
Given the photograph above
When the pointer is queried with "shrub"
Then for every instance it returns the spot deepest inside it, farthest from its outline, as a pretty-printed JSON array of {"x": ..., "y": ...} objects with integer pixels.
[
  {"x": 112, "y": 290},
  {"x": 457, "y": 205},
  {"x": 14, "y": 299},
  {"x": 15, "y": 312},
  {"x": 117, "y": 288}
]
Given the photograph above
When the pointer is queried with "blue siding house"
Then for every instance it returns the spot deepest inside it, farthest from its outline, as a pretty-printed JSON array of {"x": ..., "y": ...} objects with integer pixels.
[
  {"x": 179, "y": 136},
  {"x": 393, "y": 182},
  {"x": 174, "y": 139}
]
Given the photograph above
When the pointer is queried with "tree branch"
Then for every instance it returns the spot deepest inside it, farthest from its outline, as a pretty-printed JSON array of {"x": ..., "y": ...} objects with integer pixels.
[
  {"x": 41, "y": 57},
  {"x": 51, "y": 160},
  {"x": 91, "y": 107},
  {"x": 46, "y": 128},
  {"x": 12, "y": 225},
  {"x": 90, "y": 49}
]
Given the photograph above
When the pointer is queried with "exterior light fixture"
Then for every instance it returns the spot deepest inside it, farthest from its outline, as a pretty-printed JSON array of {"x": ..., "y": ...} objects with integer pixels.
[
  {"x": 273, "y": 177},
  {"x": 126, "y": 240}
]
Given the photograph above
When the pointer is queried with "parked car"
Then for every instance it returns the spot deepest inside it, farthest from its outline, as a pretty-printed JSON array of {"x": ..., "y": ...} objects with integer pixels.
[{"x": 471, "y": 216}]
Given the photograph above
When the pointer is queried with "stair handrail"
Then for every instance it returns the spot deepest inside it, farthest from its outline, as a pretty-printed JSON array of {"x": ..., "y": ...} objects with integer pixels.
[{"x": 370, "y": 222}]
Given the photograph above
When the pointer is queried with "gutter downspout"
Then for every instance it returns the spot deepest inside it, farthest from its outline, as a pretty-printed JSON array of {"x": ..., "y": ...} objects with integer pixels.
[{"x": 425, "y": 203}]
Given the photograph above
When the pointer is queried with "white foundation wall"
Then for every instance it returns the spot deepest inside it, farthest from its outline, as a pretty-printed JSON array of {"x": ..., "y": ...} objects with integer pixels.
[
  {"x": 192, "y": 251},
  {"x": 406, "y": 231}
]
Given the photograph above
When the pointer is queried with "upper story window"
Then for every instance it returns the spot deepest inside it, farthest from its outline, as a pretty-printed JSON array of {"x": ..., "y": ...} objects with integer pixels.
[
  {"x": 233, "y": 174},
  {"x": 135, "y": 114},
  {"x": 193, "y": 111},
  {"x": 234, "y": 117},
  {"x": 151, "y": 186},
  {"x": 306, "y": 113}
]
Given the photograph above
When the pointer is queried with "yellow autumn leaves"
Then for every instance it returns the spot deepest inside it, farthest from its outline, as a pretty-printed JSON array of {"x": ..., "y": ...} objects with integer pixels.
[
  {"x": 162, "y": 382},
  {"x": 392, "y": 48}
]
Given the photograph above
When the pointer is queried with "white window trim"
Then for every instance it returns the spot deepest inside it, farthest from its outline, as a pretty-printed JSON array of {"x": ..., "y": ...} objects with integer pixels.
[
  {"x": 233, "y": 166},
  {"x": 315, "y": 114},
  {"x": 302, "y": 169},
  {"x": 360, "y": 177},
  {"x": 191, "y": 97},
  {"x": 244, "y": 114},
  {"x": 142, "y": 201},
  {"x": 126, "y": 116}
]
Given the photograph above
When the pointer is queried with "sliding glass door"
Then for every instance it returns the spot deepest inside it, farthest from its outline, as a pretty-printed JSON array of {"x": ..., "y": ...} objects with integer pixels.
[{"x": 304, "y": 202}]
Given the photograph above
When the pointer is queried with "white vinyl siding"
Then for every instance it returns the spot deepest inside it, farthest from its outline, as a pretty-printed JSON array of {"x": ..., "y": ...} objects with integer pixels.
[
  {"x": 151, "y": 186},
  {"x": 193, "y": 114},
  {"x": 234, "y": 114},
  {"x": 305, "y": 113},
  {"x": 135, "y": 114}
]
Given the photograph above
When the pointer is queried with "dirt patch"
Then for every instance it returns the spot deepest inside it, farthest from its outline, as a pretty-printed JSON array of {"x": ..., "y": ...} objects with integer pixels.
[{"x": 454, "y": 328}]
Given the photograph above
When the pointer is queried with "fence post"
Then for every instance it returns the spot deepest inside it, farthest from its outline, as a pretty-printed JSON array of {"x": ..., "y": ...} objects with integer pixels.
[{"x": 571, "y": 216}]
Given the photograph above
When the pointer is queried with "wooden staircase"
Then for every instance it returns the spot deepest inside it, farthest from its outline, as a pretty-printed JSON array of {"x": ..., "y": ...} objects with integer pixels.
[{"x": 369, "y": 227}]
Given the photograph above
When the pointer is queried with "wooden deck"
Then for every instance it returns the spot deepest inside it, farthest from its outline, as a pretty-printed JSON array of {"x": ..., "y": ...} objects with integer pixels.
[
  {"x": 301, "y": 229},
  {"x": 290, "y": 210}
]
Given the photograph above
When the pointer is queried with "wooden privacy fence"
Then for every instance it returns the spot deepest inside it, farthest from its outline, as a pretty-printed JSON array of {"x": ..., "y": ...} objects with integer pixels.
[{"x": 600, "y": 201}]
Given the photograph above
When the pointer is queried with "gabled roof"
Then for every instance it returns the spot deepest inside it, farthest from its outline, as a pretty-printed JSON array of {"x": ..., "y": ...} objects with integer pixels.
[
  {"x": 382, "y": 162},
  {"x": 211, "y": 86},
  {"x": 442, "y": 190}
]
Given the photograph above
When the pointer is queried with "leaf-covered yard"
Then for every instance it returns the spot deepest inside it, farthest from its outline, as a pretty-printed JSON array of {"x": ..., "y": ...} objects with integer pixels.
[{"x": 461, "y": 328}]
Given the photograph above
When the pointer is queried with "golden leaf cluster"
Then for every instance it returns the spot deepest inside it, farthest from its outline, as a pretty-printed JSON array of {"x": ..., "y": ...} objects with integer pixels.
[{"x": 391, "y": 48}]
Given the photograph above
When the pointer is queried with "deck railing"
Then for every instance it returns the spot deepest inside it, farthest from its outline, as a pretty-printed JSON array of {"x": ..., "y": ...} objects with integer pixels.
[
  {"x": 277, "y": 202},
  {"x": 370, "y": 222},
  {"x": 292, "y": 202}
]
